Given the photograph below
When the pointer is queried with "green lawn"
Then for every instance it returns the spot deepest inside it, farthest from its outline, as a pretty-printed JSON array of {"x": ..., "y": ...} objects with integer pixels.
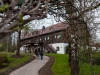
[
  {"x": 60, "y": 67},
  {"x": 86, "y": 69},
  {"x": 15, "y": 61}
]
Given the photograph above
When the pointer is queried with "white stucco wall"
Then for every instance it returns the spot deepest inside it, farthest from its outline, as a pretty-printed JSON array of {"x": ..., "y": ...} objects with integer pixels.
[{"x": 61, "y": 47}]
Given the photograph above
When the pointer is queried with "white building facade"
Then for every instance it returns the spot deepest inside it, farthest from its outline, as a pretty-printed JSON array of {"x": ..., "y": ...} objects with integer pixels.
[{"x": 60, "y": 46}]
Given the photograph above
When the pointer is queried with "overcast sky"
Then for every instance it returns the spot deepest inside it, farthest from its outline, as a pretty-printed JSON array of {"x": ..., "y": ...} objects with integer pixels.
[{"x": 44, "y": 22}]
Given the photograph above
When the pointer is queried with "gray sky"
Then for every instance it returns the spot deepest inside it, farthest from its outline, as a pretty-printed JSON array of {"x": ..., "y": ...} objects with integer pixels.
[{"x": 44, "y": 22}]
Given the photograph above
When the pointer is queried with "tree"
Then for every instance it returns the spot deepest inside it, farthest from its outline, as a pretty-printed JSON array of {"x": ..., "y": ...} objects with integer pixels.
[
  {"x": 25, "y": 31},
  {"x": 75, "y": 12},
  {"x": 19, "y": 30},
  {"x": 84, "y": 15},
  {"x": 10, "y": 17},
  {"x": 76, "y": 17}
]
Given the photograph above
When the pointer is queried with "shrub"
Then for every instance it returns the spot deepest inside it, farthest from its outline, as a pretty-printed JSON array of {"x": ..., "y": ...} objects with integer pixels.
[
  {"x": 96, "y": 60},
  {"x": 85, "y": 54},
  {"x": 1, "y": 58},
  {"x": 5, "y": 58},
  {"x": 66, "y": 49}
]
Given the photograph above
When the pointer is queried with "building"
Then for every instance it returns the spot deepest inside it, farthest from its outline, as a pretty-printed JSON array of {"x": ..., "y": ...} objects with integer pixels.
[{"x": 53, "y": 38}]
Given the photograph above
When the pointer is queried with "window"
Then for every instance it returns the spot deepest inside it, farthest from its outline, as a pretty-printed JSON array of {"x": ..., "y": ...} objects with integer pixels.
[
  {"x": 55, "y": 36},
  {"x": 45, "y": 38},
  {"x": 37, "y": 40},
  {"x": 32, "y": 33},
  {"x": 51, "y": 28},
  {"x": 36, "y": 32},
  {"x": 48, "y": 38},
  {"x": 58, "y": 36}
]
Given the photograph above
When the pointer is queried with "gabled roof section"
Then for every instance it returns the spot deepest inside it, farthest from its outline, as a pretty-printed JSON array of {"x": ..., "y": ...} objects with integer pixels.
[{"x": 53, "y": 28}]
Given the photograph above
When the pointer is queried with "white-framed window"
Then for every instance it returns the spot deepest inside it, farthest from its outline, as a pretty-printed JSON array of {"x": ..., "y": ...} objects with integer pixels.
[
  {"x": 58, "y": 36},
  {"x": 55, "y": 36},
  {"x": 48, "y": 38},
  {"x": 45, "y": 38}
]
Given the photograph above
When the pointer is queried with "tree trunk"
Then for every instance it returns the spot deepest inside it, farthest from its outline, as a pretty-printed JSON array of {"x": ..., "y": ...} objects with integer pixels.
[
  {"x": 30, "y": 49},
  {"x": 18, "y": 43},
  {"x": 25, "y": 50},
  {"x": 74, "y": 57}
]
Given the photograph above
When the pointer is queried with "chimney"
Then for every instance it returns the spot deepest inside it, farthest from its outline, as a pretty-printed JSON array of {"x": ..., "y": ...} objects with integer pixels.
[{"x": 43, "y": 28}]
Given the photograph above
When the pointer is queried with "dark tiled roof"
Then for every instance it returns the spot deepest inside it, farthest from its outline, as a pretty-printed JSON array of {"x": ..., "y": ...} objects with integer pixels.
[{"x": 53, "y": 28}]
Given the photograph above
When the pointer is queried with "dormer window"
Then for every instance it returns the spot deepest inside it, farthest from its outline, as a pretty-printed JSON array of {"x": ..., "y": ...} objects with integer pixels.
[
  {"x": 36, "y": 32},
  {"x": 51, "y": 28},
  {"x": 32, "y": 33}
]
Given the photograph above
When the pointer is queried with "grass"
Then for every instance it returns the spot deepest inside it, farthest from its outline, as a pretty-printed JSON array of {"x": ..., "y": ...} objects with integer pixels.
[
  {"x": 15, "y": 61},
  {"x": 60, "y": 66},
  {"x": 86, "y": 69}
]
